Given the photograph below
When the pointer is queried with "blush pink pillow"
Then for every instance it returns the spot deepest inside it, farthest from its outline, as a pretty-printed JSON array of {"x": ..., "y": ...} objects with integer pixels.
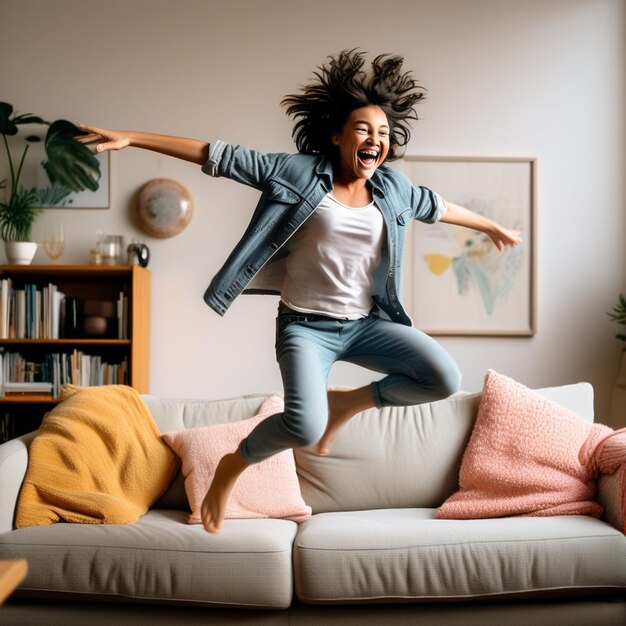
[
  {"x": 266, "y": 489},
  {"x": 523, "y": 458}
]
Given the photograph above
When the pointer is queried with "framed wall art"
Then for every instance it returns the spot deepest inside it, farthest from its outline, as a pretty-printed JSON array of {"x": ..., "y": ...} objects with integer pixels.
[{"x": 457, "y": 282}]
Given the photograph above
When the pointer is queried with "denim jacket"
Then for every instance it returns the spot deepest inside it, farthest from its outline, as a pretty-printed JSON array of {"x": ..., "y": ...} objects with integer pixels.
[{"x": 292, "y": 185}]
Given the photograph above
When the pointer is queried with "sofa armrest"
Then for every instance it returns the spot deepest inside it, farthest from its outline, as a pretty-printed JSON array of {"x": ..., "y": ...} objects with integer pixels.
[
  {"x": 610, "y": 497},
  {"x": 13, "y": 464}
]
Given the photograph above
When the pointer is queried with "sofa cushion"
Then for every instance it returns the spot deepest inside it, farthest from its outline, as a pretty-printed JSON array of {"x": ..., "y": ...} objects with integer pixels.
[
  {"x": 268, "y": 489},
  {"x": 159, "y": 559},
  {"x": 97, "y": 458},
  {"x": 171, "y": 415},
  {"x": 406, "y": 555},
  {"x": 523, "y": 458},
  {"x": 404, "y": 456}
]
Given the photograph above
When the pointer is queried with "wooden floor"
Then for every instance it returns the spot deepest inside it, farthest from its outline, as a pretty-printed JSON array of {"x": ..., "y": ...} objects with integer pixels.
[{"x": 611, "y": 612}]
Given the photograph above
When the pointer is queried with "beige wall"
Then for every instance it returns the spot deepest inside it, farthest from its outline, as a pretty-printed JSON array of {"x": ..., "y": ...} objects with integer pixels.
[{"x": 542, "y": 78}]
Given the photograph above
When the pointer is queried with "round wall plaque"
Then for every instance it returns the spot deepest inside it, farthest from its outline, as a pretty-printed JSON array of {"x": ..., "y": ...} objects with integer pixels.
[{"x": 163, "y": 208}]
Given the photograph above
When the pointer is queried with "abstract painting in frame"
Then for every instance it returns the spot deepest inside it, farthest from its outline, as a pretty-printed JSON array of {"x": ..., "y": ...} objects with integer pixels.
[{"x": 458, "y": 283}]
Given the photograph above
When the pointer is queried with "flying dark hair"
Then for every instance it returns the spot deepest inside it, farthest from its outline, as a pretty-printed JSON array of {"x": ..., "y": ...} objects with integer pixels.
[{"x": 324, "y": 105}]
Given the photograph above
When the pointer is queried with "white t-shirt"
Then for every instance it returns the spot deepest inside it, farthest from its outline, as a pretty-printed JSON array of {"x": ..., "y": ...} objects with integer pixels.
[{"x": 331, "y": 260}]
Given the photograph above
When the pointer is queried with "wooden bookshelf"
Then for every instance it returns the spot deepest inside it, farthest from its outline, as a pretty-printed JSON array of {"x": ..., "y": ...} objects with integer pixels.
[{"x": 84, "y": 282}]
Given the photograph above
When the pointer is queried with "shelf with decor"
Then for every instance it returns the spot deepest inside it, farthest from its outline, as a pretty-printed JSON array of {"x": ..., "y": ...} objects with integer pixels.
[{"x": 68, "y": 324}]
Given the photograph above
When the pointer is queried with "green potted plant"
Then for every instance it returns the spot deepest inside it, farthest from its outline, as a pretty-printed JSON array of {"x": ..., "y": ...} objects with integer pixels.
[
  {"x": 70, "y": 167},
  {"x": 618, "y": 314},
  {"x": 617, "y": 407}
]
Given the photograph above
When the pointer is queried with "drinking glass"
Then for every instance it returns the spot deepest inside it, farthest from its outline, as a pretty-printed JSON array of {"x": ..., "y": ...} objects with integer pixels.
[{"x": 54, "y": 241}]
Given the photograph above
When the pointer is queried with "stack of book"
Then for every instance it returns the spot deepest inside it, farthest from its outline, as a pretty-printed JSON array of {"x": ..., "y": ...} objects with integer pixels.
[
  {"x": 20, "y": 376},
  {"x": 24, "y": 387}
]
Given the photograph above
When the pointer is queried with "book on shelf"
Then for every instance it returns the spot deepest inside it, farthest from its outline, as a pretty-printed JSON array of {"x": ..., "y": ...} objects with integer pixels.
[
  {"x": 122, "y": 316},
  {"x": 39, "y": 312},
  {"x": 30, "y": 312},
  {"x": 19, "y": 375},
  {"x": 36, "y": 387},
  {"x": 5, "y": 288}
]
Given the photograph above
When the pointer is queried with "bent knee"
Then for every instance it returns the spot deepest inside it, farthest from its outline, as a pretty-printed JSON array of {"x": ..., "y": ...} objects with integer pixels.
[
  {"x": 306, "y": 433},
  {"x": 307, "y": 438},
  {"x": 448, "y": 381}
]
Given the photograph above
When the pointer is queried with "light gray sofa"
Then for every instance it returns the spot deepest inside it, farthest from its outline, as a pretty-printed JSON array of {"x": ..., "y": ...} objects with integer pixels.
[{"x": 373, "y": 540}]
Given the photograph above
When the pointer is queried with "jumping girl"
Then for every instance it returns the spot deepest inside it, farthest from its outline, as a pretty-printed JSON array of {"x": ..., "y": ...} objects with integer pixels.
[{"x": 327, "y": 235}]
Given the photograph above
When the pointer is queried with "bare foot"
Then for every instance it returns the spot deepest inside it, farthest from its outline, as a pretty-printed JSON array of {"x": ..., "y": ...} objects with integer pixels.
[
  {"x": 213, "y": 507},
  {"x": 342, "y": 406}
]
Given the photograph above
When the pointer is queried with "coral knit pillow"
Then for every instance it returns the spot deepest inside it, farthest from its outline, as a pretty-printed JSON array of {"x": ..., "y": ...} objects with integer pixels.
[
  {"x": 266, "y": 489},
  {"x": 523, "y": 458}
]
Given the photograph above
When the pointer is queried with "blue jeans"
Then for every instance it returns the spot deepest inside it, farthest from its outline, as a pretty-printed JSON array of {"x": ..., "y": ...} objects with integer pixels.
[{"x": 418, "y": 370}]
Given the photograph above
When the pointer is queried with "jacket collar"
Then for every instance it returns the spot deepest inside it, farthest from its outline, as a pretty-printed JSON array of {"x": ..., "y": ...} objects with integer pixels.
[{"x": 324, "y": 169}]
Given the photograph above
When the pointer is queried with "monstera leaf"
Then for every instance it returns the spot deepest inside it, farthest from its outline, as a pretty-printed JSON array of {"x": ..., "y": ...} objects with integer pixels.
[
  {"x": 8, "y": 124},
  {"x": 70, "y": 163}
]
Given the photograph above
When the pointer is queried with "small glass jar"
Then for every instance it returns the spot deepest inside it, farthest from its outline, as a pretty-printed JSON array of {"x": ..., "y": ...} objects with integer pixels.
[{"x": 111, "y": 249}]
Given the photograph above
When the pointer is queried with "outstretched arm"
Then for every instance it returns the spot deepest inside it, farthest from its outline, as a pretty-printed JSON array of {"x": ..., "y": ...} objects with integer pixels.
[
  {"x": 187, "y": 149},
  {"x": 501, "y": 237}
]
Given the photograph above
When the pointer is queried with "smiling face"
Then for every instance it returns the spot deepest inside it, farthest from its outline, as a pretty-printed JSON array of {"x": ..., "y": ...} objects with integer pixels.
[{"x": 363, "y": 143}]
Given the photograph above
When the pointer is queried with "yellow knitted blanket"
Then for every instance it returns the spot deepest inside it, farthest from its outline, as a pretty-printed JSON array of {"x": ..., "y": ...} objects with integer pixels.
[{"x": 98, "y": 459}]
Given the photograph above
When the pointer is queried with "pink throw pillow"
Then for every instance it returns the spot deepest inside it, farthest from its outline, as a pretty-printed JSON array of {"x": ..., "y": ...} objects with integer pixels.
[
  {"x": 523, "y": 458},
  {"x": 266, "y": 489}
]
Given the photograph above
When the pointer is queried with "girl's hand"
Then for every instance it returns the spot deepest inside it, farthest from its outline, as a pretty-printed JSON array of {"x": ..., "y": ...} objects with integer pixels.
[
  {"x": 193, "y": 150},
  {"x": 501, "y": 237},
  {"x": 504, "y": 237},
  {"x": 105, "y": 139}
]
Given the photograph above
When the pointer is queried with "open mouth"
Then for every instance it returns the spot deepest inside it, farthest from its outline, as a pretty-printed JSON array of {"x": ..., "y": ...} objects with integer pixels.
[{"x": 368, "y": 157}]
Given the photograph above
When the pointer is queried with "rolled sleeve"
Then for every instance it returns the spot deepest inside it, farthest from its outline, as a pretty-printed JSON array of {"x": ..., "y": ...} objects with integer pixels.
[
  {"x": 441, "y": 207},
  {"x": 216, "y": 150},
  {"x": 429, "y": 206}
]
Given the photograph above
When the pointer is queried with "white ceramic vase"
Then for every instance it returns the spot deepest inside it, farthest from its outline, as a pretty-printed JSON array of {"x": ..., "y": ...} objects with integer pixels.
[{"x": 20, "y": 252}]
